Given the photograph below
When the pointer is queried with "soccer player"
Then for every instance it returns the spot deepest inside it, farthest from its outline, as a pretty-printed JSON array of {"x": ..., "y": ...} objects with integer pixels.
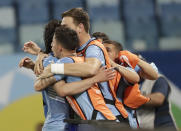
[
  {"x": 32, "y": 48},
  {"x": 114, "y": 50}
]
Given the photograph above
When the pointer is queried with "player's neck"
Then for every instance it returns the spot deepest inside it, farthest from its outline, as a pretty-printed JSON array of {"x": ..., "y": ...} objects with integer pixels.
[
  {"x": 67, "y": 53},
  {"x": 84, "y": 38}
]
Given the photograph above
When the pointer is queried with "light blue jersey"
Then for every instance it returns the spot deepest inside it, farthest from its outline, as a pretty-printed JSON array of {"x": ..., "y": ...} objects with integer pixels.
[{"x": 56, "y": 108}]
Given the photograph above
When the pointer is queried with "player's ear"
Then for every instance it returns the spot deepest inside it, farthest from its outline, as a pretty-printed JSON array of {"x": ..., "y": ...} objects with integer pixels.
[
  {"x": 80, "y": 28},
  {"x": 59, "y": 47}
]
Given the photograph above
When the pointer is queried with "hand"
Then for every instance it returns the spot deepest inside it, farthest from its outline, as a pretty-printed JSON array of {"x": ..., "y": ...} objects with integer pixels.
[
  {"x": 27, "y": 63},
  {"x": 128, "y": 57},
  {"x": 104, "y": 75},
  {"x": 46, "y": 72},
  {"x": 31, "y": 48},
  {"x": 38, "y": 69}
]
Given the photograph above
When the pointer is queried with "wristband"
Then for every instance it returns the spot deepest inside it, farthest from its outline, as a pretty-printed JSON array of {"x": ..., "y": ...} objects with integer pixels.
[
  {"x": 154, "y": 67},
  {"x": 57, "y": 68}
]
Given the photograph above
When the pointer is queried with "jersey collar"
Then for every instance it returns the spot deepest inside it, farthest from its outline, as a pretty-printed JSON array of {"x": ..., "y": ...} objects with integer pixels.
[{"x": 84, "y": 45}]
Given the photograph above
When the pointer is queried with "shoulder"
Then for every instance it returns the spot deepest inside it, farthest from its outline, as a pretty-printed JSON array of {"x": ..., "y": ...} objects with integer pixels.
[
  {"x": 65, "y": 60},
  {"x": 161, "y": 81},
  {"x": 161, "y": 85},
  {"x": 93, "y": 47},
  {"x": 49, "y": 59}
]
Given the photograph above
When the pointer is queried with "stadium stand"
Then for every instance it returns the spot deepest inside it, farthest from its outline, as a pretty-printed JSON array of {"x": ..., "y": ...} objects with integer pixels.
[
  {"x": 59, "y": 6},
  {"x": 32, "y": 32},
  {"x": 33, "y": 12},
  {"x": 148, "y": 22},
  {"x": 140, "y": 22},
  {"x": 7, "y": 29}
]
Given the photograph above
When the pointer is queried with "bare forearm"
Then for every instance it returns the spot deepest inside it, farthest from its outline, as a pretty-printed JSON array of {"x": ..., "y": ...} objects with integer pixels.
[
  {"x": 43, "y": 83},
  {"x": 147, "y": 70},
  {"x": 130, "y": 76},
  {"x": 79, "y": 86},
  {"x": 83, "y": 69},
  {"x": 74, "y": 87},
  {"x": 156, "y": 99},
  {"x": 79, "y": 69}
]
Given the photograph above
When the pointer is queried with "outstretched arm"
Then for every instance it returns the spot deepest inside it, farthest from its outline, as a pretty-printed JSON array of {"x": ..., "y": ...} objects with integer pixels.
[
  {"x": 130, "y": 75},
  {"x": 94, "y": 58},
  {"x": 31, "y": 48},
  {"x": 84, "y": 69},
  {"x": 64, "y": 89},
  {"x": 147, "y": 71}
]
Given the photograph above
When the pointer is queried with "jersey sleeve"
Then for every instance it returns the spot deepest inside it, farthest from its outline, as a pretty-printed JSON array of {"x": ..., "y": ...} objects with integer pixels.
[
  {"x": 59, "y": 77},
  {"x": 161, "y": 85},
  {"x": 137, "y": 68},
  {"x": 48, "y": 60},
  {"x": 94, "y": 51}
]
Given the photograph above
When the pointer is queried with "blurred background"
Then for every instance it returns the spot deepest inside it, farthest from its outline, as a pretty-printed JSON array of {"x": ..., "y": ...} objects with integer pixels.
[{"x": 151, "y": 27}]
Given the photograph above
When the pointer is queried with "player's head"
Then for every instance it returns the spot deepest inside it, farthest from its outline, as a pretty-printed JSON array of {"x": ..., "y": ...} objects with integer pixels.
[
  {"x": 76, "y": 19},
  {"x": 64, "y": 39},
  {"x": 113, "y": 48},
  {"x": 100, "y": 36},
  {"x": 48, "y": 34}
]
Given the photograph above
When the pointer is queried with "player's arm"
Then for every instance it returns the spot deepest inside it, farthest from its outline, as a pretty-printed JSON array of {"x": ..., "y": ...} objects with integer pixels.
[
  {"x": 41, "y": 84},
  {"x": 94, "y": 58},
  {"x": 85, "y": 69},
  {"x": 156, "y": 99},
  {"x": 65, "y": 89},
  {"x": 38, "y": 69},
  {"x": 46, "y": 80},
  {"x": 147, "y": 71},
  {"x": 31, "y": 47},
  {"x": 130, "y": 75}
]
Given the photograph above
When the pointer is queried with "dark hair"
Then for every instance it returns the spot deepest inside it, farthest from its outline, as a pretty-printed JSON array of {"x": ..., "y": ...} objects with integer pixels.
[
  {"x": 48, "y": 34},
  {"x": 100, "y": 35},
  {"x": 79, "y": 16},
  {"x": 67, "y": 37},
  {"x": 118, "y": 45}
]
